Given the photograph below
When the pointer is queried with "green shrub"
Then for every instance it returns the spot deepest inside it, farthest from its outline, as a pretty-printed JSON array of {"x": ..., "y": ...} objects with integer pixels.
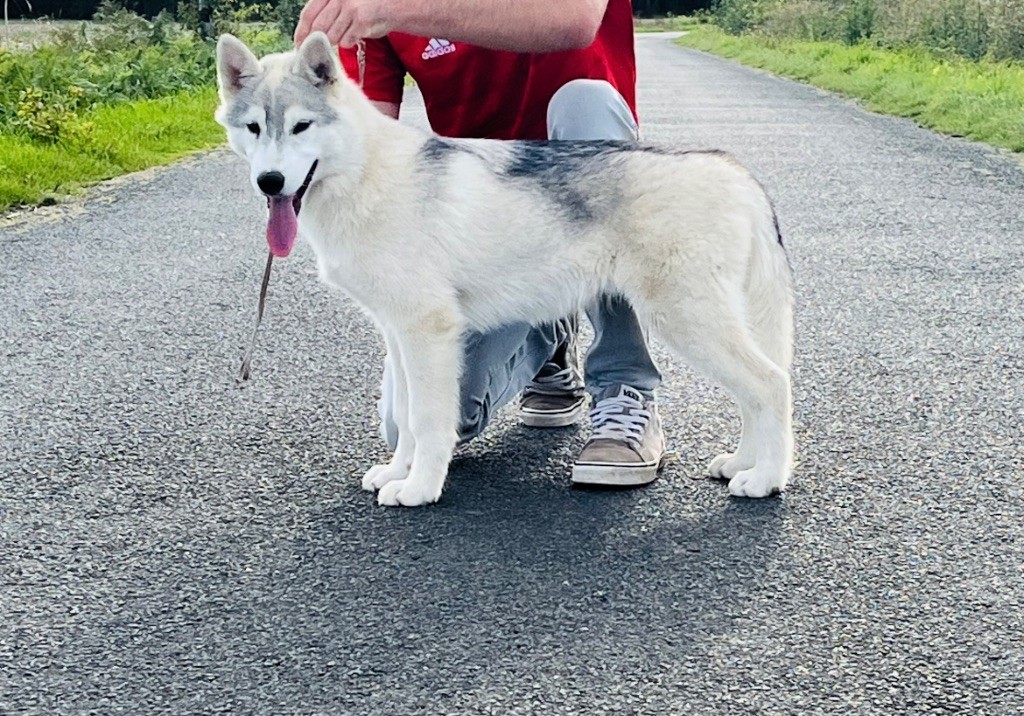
[
  {"x": 957, "y": 27},
  {"x": 736, "y": 16},
  {"x": 801, "y": 19},
  {"x": 973, "y": 29},
  {"x": 115, "y": 95},
  {"x": 49, "y": 117},
  {"x": 120, "y": 57},
  {"x": 859, "y": 21},
  {"x": 288, "y": 15},
  {"x": 234, "y": 16}
]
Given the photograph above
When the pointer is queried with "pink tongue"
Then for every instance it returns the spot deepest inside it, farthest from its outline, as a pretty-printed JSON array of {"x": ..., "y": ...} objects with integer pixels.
[{"x": 282, "y": 226}]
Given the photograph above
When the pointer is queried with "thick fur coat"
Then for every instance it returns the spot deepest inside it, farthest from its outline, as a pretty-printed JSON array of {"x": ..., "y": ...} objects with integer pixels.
[{"x": 435, "y": 236}]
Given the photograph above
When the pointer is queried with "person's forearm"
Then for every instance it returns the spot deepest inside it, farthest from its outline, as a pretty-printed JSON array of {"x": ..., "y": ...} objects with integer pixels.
[{"x": 515, "y": 25}]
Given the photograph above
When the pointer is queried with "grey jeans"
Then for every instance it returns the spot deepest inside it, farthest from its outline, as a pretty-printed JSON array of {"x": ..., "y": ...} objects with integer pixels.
[{"x": 500, "y": 363}]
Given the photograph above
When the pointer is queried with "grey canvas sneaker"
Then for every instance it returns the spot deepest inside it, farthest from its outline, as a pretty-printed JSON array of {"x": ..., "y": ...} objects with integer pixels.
[
  {"x": 626, "y": 447},
  {"x": 555, "y": 398}
]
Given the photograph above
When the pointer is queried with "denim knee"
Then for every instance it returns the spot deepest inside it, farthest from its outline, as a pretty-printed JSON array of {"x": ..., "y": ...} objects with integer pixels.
[{"x": 589, "y": 109}]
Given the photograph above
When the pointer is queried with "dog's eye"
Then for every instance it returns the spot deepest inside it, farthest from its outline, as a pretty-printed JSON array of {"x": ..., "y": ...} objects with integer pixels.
[
  {"x": 254, "y": 128},
  {"x": 301, "y": 127}
]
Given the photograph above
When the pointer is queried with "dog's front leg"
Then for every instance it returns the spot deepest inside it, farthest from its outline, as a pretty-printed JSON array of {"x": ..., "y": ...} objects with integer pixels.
[
  {"x": 401, "y": 461},
  {"x": 430, "y": 352}
]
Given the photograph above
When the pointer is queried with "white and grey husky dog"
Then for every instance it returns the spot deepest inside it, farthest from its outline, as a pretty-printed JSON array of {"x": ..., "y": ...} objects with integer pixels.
[{"x": 435, "y": 237}]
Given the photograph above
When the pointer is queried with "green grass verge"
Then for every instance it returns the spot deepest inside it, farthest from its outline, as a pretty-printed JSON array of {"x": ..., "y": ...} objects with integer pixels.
[
  {"x": 980, "y": 100},
  {"x": 124, "y": 138}
]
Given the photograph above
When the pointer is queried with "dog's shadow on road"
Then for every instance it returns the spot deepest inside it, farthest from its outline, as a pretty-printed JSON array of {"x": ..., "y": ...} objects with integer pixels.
[
  {"x": 516, "y": 565},
  {"x": 514, "y": 582}
]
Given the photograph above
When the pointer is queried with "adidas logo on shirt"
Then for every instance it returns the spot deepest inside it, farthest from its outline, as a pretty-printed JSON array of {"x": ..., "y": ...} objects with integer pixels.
[{"x": 437, "y": 47}]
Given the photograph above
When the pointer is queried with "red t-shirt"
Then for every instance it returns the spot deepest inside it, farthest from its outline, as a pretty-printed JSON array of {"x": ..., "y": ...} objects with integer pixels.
[{"x": 470, "y": 91}]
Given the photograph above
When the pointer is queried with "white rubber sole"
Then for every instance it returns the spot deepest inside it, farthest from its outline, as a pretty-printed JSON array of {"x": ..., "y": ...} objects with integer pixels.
[
  {"x": 612, "y": 475},
  {"x": 548, "y": 419}
]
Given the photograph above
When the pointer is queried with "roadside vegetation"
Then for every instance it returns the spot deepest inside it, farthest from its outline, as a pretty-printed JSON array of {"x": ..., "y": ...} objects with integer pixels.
[
  {"x": 665, "y": 24},
  {"x": 956, "y": 66},
  {"x": 96, "y": 100},
  {"x": 82, "y": 102}
]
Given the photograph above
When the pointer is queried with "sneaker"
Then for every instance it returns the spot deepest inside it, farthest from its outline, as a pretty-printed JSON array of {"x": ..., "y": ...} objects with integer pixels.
[
  {"x": 555, "y": 398},
  {"x": 626, "y": 447}
]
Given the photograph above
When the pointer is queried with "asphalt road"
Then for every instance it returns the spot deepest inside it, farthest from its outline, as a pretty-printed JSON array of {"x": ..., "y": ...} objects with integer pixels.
[{"x": 172, "y": 544}]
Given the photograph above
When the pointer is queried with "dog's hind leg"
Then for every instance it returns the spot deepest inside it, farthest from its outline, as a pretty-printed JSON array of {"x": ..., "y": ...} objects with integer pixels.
[
  {"x": 722, "y": 346},
  {"x": 430, "y": 349},
  {"x": 768, "y": 300},
  {"x": 401, "y": 461}
]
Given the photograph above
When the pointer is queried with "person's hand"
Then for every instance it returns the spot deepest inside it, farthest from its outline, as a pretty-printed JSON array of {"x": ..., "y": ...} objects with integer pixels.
[{"x": 344, "y": 21}]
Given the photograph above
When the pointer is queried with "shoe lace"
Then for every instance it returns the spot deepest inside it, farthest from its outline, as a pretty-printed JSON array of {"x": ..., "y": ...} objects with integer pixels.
[
  {"x": 620, "y": 418},
  {"x": 565, "y": 380}
]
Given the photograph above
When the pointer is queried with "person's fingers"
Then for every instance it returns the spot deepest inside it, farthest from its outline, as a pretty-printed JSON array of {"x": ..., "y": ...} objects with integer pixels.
[
  {"x": 306, "y": 17},
  {"x": 357, "y": 32},
  {"x": 349, "y": 36},
  {"x": 342, "y": 29},
  {"x": 380, "y": 29},
  {"x": 309, "y": 15},
  {"x": 331, "y": 14}
]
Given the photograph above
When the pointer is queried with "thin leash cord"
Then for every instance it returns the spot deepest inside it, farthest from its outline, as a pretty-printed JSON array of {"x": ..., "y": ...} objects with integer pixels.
[
  {"x": 247, "y": 358},
  {"x": 361, "y": 59}
]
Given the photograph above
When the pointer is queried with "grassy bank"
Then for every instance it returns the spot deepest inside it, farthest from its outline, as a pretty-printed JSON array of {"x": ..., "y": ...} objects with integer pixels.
[
  {"x": 981, "y": 100},
  {"x": 84, "y": 102},
  {"x": 972, "y": 29},
  {"x": 120, "y": 139}
]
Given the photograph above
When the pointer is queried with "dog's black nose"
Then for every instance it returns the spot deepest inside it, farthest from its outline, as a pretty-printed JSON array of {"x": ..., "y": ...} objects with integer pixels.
[{"x": 270, "y": 183}]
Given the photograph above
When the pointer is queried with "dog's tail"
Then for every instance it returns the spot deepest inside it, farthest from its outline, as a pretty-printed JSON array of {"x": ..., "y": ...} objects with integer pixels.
[{"x": 770, "y": 289}]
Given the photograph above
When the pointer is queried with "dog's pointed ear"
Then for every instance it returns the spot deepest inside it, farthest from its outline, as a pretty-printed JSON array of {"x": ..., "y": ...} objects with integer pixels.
[
  {"x": 236, "y": 66},
  {"x": 318, "y": 60}
]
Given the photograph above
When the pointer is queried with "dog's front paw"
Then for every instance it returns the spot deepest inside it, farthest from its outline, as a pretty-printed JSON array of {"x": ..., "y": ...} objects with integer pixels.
[
  {"x": 727, "y": 466},
  {"x": 409, "y": 493},
  {"x": 379, "y": 475},
  {"x": 756, "y": 483}
]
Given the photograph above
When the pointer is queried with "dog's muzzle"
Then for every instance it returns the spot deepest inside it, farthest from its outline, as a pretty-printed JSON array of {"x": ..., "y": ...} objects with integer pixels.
[{"x": 282, "y": 223}]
